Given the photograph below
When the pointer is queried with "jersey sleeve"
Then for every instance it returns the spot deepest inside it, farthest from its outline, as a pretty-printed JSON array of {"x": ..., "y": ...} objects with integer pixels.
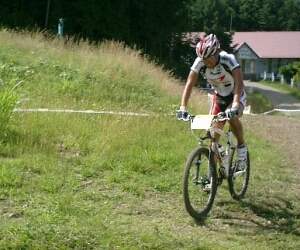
[
  {"x": 230, "y": 60},
  {"x": 197, "y": 65}
]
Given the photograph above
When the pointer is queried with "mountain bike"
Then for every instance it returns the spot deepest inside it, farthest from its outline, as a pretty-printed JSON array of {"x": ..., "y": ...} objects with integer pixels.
[{"x": 207, "y": 163}]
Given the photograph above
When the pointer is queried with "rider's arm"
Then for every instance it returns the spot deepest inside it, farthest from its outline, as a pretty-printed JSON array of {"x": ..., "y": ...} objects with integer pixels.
[
  {"x": 190, "y": 83},
  {"x": 238, "y": 86}
]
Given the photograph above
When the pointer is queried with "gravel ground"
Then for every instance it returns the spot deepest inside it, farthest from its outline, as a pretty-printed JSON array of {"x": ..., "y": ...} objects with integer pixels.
[
  {"x": 284, "y": 130},
  {"x": 281, "y": 130}
]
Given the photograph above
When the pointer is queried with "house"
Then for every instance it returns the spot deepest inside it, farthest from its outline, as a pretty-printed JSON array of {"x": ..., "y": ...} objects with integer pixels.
[{"x": 261, "y": 53}]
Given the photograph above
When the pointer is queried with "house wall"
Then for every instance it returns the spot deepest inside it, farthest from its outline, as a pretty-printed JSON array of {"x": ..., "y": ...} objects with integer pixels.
[
  {"x": 254, "y": 67},
  {"x": 248, "y": 60}
]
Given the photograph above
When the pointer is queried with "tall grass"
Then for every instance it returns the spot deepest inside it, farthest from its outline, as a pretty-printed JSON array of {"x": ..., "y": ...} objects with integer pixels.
[
  {"x": 8, "y": 101},
  {"x": 88, "y": 181}
]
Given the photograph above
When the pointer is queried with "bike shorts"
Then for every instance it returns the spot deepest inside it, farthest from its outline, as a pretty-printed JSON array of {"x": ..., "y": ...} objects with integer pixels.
[{"x": 221, "y": 103}]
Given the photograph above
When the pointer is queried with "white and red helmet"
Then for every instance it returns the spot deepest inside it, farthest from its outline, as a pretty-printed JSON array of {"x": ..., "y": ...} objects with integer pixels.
[{"x": 208, "y": 46}]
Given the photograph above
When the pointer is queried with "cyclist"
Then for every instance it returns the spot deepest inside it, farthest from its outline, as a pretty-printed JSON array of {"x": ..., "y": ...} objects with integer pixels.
[{"x": 223, "y": 73}]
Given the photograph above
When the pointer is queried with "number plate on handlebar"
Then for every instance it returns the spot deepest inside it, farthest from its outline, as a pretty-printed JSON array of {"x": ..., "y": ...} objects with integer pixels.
[{"x": 202, "y": 121}]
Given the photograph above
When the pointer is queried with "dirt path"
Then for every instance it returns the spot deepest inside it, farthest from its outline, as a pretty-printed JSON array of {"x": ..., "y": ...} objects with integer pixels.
[
  {"x": 282, "y": 130},
  {"x": 279, "y": 99}
]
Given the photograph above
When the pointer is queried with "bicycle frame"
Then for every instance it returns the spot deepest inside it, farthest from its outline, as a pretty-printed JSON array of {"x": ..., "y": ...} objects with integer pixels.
[
  {"x": 205, "y": 169},
  {"x": 206, "y": 123},
  {"x": 229, "y": 145}
]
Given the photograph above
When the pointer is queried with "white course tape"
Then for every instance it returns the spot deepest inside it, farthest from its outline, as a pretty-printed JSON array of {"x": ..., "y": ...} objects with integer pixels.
[
  {"x": 280, "y": 110},
  {"x": 78, "y": 111},
  {"x": 246, "y": 111}
]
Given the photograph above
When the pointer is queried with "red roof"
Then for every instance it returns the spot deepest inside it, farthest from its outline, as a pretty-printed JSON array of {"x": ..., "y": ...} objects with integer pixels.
[
  {"x": 266, "y": 44},
  {"x": 270, "y": 44}
]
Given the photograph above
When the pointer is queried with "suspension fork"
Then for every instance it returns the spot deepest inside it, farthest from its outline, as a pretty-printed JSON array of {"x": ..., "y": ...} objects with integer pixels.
[{"x": 197, "y": 168}]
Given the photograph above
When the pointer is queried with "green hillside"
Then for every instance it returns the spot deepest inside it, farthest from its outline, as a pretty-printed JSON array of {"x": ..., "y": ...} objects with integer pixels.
[{"x": 101, "y": 166}]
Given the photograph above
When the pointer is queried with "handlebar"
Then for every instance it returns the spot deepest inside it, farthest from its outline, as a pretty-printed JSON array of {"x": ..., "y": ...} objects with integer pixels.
[{"x": 222, "y": 116}]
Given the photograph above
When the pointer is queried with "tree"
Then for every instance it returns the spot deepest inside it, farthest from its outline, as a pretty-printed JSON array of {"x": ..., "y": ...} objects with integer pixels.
[
  {"x": 213, "y": 17},
  {"x": 288, "y": 15},
  {"x": 290, "y": 71}
]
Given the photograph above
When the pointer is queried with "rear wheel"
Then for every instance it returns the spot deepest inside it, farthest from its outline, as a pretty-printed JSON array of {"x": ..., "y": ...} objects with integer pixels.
[
  {"x": 198, "y": 202},
  {"x": 238, "y": 178}
]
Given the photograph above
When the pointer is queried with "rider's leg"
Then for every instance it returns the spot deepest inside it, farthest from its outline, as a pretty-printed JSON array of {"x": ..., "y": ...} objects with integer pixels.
[
  {"x": 237, "y": 127},
  {"x": 219, "y": 125},
  {"x": 214, "y": 110},
  {"x": 237, "y": 130}
]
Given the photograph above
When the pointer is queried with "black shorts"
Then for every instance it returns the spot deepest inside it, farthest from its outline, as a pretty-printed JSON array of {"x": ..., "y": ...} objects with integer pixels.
[{"x": 220, "y": 103}]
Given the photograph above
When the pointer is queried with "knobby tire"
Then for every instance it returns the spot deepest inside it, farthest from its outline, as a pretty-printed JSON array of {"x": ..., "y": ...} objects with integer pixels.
[
  {"x": 203, "y": 199},
  {"x": 238, "y": 186}
]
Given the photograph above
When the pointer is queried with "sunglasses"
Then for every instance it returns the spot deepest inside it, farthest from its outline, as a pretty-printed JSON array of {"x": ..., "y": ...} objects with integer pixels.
[{"x": 209, "y": 58}]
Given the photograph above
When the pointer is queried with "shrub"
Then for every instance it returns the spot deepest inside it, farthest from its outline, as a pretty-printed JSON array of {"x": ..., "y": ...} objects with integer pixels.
[{"x": 290, "y": 71}]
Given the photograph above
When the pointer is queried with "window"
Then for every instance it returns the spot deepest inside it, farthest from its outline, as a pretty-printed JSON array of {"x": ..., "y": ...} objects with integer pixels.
[{"x": 252, "y": 66}]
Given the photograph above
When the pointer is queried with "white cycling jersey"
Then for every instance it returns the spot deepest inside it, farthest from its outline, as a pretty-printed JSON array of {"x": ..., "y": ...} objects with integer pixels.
[{"x": 220, "y": 77}]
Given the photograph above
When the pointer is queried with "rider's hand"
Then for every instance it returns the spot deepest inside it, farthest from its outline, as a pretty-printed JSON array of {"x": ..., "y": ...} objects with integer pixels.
[
  {"x": 232, "y": 113},
  {"x": 222, "y": 114},
  {"x": 182, "y": 114}
]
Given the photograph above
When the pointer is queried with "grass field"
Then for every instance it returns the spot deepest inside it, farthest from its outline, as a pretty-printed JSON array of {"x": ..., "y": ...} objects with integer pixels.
[{"x": 113, "y": 181}]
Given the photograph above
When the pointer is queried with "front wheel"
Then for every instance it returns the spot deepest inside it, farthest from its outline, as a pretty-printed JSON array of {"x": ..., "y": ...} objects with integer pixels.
[
  {"x": 238, "y": 179},
  {"x": 199, "y": 166}
]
